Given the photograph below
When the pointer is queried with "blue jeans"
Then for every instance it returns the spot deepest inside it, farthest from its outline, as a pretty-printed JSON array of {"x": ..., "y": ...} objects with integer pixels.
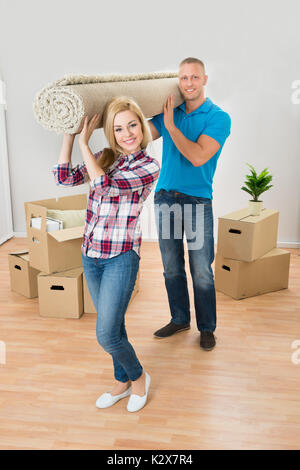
[
  {"x": 177, "y": 213},
  {"x": 111, "y": 282}
]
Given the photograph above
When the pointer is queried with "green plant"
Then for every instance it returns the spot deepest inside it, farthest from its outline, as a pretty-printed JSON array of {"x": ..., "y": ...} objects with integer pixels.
[{"x": 257, "y": 184}]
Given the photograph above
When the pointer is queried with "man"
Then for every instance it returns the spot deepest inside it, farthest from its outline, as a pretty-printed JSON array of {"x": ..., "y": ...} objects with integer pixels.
[{"x": 193, "y": 136}]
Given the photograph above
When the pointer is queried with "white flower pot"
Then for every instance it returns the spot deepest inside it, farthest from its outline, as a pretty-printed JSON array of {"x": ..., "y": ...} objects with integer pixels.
[{"x": 255, "y": 207}]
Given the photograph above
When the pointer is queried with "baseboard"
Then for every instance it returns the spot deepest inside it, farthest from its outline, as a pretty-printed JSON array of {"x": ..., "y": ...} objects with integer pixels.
[
  {"x": 20, "y": 234},
  {"x": 282, "y": 245},
  {"x": 7, "y": 237},
  {"x": 279, "y": 244},
  {"x": 24, "y": 235},
  {"x": 288, "y": 245}
]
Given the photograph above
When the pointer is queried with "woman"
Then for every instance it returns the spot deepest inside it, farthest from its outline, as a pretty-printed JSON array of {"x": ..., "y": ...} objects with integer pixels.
[{"x": 121, "y": 178}]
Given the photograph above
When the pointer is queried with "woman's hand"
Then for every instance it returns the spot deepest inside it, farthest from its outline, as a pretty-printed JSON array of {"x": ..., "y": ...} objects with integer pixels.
[{"x": 88, "y": 128}]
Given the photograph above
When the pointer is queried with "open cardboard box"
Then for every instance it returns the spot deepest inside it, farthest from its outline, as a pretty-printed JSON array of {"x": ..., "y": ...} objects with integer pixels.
[
  {"x": 59, "y": 250},
  {"x": 23, "y": 278},
  {"x": 241, "y": 279},
  {"x": 246, "y": 238}
]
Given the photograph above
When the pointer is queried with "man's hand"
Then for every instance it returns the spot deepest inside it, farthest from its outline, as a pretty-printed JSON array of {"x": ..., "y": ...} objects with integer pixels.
[{"x": 169, "y": 113}]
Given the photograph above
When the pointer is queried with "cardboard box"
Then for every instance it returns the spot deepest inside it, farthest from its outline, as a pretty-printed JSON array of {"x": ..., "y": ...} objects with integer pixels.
[
  {"x": 241, "y": 279},
  {"x": 51, "y": 224},
  {"x": 23, "y": 278},
  {"x": 245, "y": 237},
  {"x": 59, "y": 250},
  {"x": 88, "y": 306},
  {"x": 60, "y": 294}
]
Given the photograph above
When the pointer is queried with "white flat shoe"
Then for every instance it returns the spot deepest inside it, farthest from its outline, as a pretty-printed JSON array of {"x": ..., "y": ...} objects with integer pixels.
[
  {"x": 106, "y": 400},
  {"x": 135, "y": 402}
]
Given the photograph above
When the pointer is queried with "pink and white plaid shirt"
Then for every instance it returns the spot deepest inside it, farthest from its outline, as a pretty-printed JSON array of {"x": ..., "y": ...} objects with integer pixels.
[{"x": 115, "y": 202}]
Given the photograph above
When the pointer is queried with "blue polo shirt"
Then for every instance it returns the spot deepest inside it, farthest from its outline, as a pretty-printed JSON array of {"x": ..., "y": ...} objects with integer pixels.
[{"x": 177, "y": 172}]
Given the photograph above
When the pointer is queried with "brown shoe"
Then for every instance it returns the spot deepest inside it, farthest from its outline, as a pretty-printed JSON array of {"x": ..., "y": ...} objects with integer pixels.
[
  {"x": 207, "y": 340},
  {"x": 170, "y": 330}
]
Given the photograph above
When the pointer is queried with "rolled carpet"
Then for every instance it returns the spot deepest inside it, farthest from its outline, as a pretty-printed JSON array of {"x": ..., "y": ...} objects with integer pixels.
[{"x": 61, "y": 106}]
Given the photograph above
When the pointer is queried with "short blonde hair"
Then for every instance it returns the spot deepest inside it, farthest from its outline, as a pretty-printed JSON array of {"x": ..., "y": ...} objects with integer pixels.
[
  {"x": 115, "y": 106},
  {"x": 192, "y": 60}
]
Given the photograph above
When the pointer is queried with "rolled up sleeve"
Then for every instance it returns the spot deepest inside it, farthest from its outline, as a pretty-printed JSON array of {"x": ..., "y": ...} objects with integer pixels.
[{"x": 65, "y": 175}]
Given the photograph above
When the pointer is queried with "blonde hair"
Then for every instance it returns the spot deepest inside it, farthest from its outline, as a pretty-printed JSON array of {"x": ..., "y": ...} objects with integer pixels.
[
  {"x": 192, "y": 60},
  {"x": 115, "y": 106}
]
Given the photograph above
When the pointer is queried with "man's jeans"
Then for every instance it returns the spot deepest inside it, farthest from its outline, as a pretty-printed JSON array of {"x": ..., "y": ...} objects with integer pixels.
[
  {"x": 111, "y": 282},
  {"x": 177, "y": 213}
]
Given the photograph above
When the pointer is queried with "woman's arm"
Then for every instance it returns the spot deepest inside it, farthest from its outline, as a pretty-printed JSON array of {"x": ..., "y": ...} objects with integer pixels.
[
  {"x": 91, "y": 165},
  {"x": 123, "y": 183},
  {"x": 66, "y": 148},
  {"x": 92, "y": 168},
  {"x": 63, "y": 172}
]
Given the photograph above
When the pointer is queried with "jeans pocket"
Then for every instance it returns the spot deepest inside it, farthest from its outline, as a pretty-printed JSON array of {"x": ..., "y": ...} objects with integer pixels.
[
  {"x": 201, "y": 200},
  {"x": 136, "y": 256}
]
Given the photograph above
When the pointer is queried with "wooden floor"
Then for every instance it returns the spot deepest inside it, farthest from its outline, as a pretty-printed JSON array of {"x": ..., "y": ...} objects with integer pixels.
[{"x": 244, "y": 394}]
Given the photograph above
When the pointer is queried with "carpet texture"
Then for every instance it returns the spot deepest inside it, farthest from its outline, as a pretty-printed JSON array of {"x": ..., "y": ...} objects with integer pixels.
[{"x": 61, "y": 106}]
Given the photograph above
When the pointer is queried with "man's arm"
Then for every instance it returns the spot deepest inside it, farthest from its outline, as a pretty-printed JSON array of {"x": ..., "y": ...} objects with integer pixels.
[
  {"x": 154, "y": 131},
  {"x": 198, "y": 152}
]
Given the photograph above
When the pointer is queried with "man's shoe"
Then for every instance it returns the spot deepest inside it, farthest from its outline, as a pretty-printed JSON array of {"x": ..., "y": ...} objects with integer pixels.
[
  {"x": 170, "y": 330},
  {"x": 207, "y": 340}
]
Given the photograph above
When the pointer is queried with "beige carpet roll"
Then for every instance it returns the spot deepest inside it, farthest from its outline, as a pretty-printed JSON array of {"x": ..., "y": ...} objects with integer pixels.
[{"x": 62, "y": 105}]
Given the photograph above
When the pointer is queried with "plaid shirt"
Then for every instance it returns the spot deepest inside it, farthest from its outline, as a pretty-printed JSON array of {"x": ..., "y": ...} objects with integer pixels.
[{"x": 115, "y": 202}]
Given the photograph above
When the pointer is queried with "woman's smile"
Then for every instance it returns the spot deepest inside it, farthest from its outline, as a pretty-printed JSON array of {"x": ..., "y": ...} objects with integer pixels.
[
  {"x": 128, "y": 131},
  {"x": 130, "y": 141}
]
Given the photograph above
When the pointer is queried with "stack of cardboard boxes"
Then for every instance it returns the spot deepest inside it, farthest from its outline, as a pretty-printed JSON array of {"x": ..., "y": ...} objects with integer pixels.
[
  {"x": 247, "y": 261},
  {"x": 52, "y": 268}
]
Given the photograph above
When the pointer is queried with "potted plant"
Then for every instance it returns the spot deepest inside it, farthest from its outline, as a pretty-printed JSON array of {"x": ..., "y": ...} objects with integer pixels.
[{"x": 255, "y": 185}]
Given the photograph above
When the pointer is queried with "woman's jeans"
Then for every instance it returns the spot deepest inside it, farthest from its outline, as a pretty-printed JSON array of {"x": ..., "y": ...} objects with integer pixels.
[
  {"x": 177, "y": 213},
  {"x": 111, "y": 282}
]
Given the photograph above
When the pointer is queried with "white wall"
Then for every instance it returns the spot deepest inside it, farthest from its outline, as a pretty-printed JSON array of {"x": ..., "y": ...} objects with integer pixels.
[
  {"x": 251, "y": 50},
  {"x": 6, "y": 225}
]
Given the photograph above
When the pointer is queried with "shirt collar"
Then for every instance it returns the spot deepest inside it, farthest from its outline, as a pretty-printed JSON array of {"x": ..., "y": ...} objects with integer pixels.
[
  {"x": 133, "y": 155},
  {"x": 126, "y": 158},
  {"x": 204, "y": 108}
]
